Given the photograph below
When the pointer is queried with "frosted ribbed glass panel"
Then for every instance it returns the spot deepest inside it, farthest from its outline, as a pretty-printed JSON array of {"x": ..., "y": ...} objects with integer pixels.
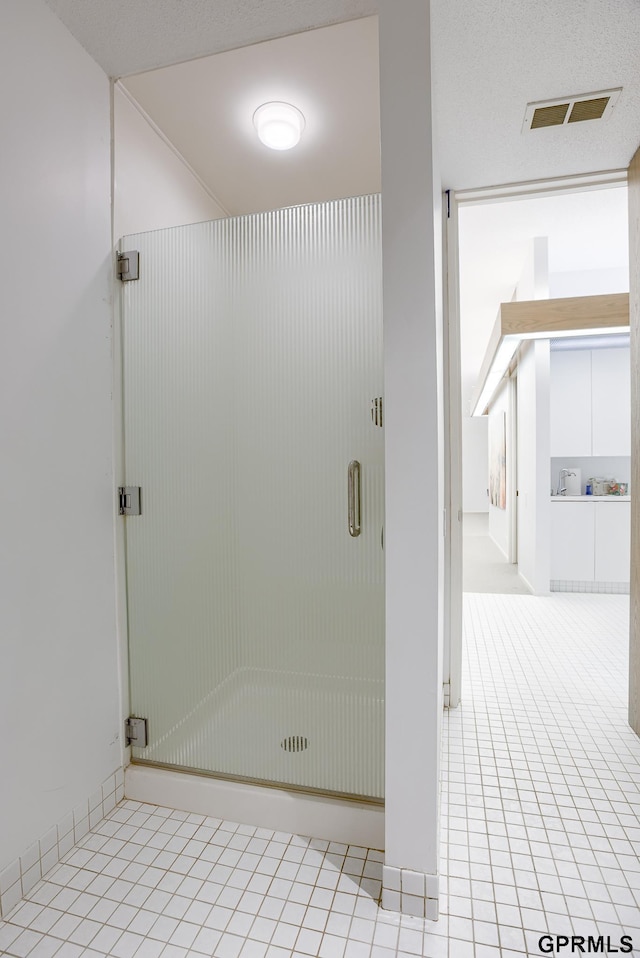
[{"x": 252, "y": 353}]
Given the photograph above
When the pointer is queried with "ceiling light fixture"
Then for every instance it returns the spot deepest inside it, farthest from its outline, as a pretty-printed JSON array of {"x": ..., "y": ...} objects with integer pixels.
[{"x": 279, "y": 125}]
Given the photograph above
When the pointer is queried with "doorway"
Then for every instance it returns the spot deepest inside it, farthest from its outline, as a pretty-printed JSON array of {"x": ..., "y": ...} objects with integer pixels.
[{"x": 546, "y": 246}]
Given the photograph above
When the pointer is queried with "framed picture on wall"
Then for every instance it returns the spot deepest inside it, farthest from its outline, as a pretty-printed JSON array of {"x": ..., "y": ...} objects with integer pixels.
[{"x": 498, "y": 460}]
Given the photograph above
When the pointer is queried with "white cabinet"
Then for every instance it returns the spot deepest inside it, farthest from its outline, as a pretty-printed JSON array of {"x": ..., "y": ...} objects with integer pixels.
[
  {"x": 590, "y": 540},
  {"x": 612, "y": 534},
  {"x": 570, "y": 403},
  {"x": 572, "y": 541},
  {"x": 611, "y": 402},
  {"x": 590, "y": 403}
]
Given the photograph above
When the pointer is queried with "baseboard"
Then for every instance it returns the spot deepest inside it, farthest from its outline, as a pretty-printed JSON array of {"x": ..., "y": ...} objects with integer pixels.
[
  {"x": 500, "y": 549},
  {"x": 300, "y": 813},
  {"x": 19, "y": 877},
  {"x": 601, "y": 588},
  {"x": 526, "y": 582},
  {"x": 410, "y": 892}
]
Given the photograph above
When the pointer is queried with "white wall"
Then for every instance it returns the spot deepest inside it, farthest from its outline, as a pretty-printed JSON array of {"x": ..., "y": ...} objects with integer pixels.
[
  {"x": 589, "y": 282},
  {"x": 534, "y": 279},
  {"x": 475, "y": 453},
  {"x": 533, "y": 465},
  {"x": 154, "y": 189},
  {"x": 59, "y": 698},
  {"x": 499, "y": 519},
  {"x": 475, "y": 463},
  {"x": 413, "y": 444},
  {"x": 533, "y": 284}
]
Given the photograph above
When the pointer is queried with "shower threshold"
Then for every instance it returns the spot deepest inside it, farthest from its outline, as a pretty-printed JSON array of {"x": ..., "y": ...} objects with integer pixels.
[{"x": 308, "y": 732}]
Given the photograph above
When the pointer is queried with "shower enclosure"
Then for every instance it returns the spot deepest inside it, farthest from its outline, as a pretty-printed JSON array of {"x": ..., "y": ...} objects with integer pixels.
[{"x": 252, "y": 398}]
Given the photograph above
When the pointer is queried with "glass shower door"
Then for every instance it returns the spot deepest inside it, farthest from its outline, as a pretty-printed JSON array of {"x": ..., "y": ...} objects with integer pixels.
[{"x": 252, "y": 378}]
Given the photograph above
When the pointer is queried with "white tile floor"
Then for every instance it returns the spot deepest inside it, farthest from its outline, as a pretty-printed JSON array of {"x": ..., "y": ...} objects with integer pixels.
[
  {"x": 543, "y": 792},
  {"x": 541, "y": 829}
]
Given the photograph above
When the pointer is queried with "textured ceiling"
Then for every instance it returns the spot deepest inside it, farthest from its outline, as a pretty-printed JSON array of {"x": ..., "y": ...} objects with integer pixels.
[
  {"x": 490, "y": 59},
  {"x": 129, "y": 36}
]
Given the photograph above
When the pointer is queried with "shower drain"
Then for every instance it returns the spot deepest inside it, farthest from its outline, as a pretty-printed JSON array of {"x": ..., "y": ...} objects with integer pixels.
[{"x": 295, "y": 743}]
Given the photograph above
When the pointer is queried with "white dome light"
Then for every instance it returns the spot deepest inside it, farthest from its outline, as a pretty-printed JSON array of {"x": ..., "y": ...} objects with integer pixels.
[{"x": 279, "y": 125}]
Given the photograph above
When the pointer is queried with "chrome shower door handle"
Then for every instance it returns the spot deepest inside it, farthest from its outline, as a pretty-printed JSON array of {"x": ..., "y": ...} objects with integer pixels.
[{"x": 353, "y": 493}]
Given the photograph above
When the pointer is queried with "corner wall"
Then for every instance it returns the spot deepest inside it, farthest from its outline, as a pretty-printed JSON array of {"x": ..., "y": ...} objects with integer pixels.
[
  {"x": 154, "y": 189},
  {"x": 534, "y": 502},
  {"x": 59, "y": 691},
  {"x": 414, "y": 552}
]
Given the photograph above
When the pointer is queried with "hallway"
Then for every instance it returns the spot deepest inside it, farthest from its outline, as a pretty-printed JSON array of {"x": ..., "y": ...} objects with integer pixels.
[
  {"x": 485, "y": 568},
  {"x": 543, "y": 781},
  {"x": 540, "y": 828}
]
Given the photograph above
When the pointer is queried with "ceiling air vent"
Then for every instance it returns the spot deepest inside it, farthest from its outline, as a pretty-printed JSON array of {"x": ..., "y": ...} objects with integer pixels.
[{"x": 570, "y": 109}]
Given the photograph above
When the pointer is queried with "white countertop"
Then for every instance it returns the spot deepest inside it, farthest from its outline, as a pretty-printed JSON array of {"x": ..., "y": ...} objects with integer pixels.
[{"x": 590, "y": 498}]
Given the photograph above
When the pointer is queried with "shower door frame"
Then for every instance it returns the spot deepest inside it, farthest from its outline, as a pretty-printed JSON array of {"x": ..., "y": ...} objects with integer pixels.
[{"x": 122, "y": 604}]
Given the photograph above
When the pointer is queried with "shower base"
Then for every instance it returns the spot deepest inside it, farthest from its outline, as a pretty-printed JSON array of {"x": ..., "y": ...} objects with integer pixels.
[{"x": 307, "y": 731}]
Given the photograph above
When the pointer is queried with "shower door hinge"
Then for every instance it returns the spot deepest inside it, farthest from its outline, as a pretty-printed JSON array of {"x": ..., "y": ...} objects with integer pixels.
[
  {"x": 376, "y": 411},
  {"x": 128, "y": 266},
  {"x": 129, "y": 501},
  {"x": 135, "y": 732}
]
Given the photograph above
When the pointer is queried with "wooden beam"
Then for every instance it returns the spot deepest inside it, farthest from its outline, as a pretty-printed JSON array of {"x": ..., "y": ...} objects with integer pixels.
[
  {"x": 539, "y": 317},
  {"x": 563, "y": 315}
]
